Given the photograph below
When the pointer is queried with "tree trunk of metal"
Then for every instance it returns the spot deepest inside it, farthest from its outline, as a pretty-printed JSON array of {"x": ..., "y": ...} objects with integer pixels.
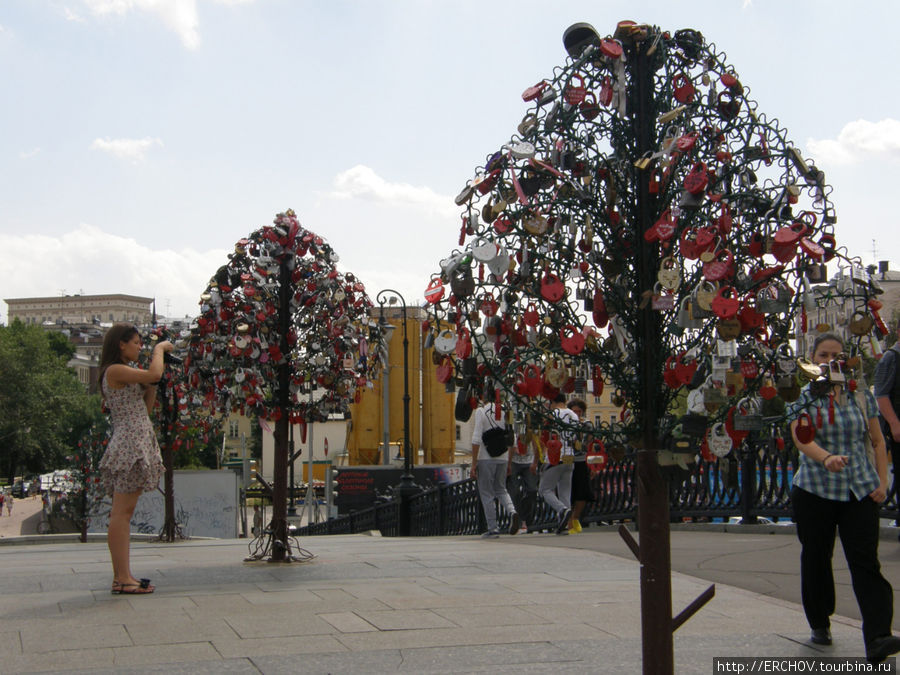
[{"x": 652, "y": 490}]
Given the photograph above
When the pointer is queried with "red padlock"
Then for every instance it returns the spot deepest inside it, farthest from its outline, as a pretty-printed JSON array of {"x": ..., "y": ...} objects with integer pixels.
[
  {"x": 597, "y": 380},
  {"x": 552, "y": 289},
  {"x": 599, "y": 312},
  {"x": 488, "y": 304},
  {"x": 530, "y": 316},
  {"x": 535, "y": 91},
  {"x": 605, "y": 96},
  {"x": 684, "y": 370},
  {"x": 726, "y": 305},
  {"x": 697, "y": 180},
  {"x": 812, "y": 249},
  {"x": 687, "y": 243},
  {"x": 805, "y": 431},
  {"x": 575, "y": 94},
  {"x": 686, "y": 142},
  {"x": 571, "y": 340},
  {"x": 435, "y": 291},
  {"x": 721, "y": 267},
  {"x": 589, "y": 107},
  {"x": 682, "y": 88},
  {"x": 611, "y": 48},
  {"x": 751, "y": 319},
  {"x": 554, "y": 449},
  {"x": 670, "y": 375}
]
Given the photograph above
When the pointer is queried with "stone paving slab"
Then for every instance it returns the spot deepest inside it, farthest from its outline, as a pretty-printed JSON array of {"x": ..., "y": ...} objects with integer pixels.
[{"x": 460, "y": 604}]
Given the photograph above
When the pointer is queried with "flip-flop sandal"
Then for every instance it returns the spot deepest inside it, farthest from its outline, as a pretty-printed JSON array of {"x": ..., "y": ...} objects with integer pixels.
[{"x": 142, "y": 588}]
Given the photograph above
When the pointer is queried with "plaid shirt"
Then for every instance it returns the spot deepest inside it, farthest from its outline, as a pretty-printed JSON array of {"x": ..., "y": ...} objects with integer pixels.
[{"x": 845, "y": 437}]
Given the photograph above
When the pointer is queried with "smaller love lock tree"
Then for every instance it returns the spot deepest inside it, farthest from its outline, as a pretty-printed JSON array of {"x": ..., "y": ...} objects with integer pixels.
[
  {"x": 286, "y": 336},
  {"x": 178, "y": 425},
  {"x": 645, "y": 228}
]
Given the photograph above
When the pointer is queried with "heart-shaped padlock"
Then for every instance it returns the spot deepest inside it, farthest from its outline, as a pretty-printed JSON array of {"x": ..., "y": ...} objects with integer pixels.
[
  {"x": 718, "y": 440},
  {"x": 720, "y": 267},
  {"x": 805, "y": 431},
  {"x": 669, "y": 276},
  {"x": 571, "y": 340},
  {"x": 697, "y": 180},
  {"x": 552, "y": 288},
  {"x": 728, "y": 329},
  {"x": 682, "y": 89},
  {"x": 574, "y": 94},
  {"x": 726, "y": 305}
]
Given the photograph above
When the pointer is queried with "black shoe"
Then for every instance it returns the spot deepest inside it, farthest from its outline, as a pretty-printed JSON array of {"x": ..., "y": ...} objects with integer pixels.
[
  {"x": 563, "y": 525},
  {"x": 820, "y": 636},
  {"x": 882, "y": 647},
  {"x": 515, "y": 523}
]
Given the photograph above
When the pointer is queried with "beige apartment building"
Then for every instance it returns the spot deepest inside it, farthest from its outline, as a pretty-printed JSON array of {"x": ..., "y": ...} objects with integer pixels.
[{"x": 77, "y": 310}]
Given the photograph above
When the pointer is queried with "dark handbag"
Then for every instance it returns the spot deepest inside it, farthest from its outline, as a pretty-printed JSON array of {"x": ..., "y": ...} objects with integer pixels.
[
  {"x": 494, "y": 441},
  {"x": 463, "y": 409}
]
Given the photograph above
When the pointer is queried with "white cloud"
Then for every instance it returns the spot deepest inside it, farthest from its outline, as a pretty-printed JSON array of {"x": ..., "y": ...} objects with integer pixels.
[
  {"x": 361, "y": 182},
  {"x": 130, "y": 149},
  {"x": 91, "y": 261},
  {"x": 28, "y": 154},
  {"x": 857, "y": 141},
  {"x": 180, "y": 16},
  {"x": 72, "y": 15}
]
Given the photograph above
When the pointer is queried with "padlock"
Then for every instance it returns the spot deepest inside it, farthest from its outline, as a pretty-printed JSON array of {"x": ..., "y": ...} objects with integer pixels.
[
  {"x": 669, "y": 275},
  {"x": 728, "y": 329},
  {"x": 682, "y": 88},
  {"x": 696, "y": 181},
  {"x": 685, "y": 318},
  {"x": 747, "y": 415},
  {"x": 718, "y": 440},
  {"x": 575, "y": 93},
  {"x": 805, "y": 431},
  {"x": 726, "y": 305},
  {"x": 552, "y": 289},
  {"x": 660, "y": 300},
  {"x": 720, "y": 267}
]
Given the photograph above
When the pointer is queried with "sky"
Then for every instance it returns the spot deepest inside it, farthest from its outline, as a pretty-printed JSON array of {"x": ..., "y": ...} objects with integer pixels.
[{"x": 140, "y": 139}]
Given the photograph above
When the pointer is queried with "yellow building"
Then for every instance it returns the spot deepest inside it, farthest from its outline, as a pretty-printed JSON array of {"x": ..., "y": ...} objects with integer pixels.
[{"x": 431, "y": 422}]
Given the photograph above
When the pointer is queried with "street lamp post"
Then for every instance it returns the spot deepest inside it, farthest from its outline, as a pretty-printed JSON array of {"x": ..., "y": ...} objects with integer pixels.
[{"x": 407, "y": 486}]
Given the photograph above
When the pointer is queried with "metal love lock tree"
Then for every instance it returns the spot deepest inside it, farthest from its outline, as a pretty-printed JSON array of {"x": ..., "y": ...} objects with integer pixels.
[
  {"x": 641, "y": 214},
  {"x": 277, "y": 322}
]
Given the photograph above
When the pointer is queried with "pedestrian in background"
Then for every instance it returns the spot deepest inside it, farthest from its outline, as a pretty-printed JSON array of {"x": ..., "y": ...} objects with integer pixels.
[
  {"x": 132, "y": 463},
  {"x": 581, "y": 476},
  {"x": 522, "y": 483},
  {"x": 555, "y": 487},
  {"x": 887, "y": 395},
  {"x": 837, "y": 488},
  {"x": 490, "y": 467}
]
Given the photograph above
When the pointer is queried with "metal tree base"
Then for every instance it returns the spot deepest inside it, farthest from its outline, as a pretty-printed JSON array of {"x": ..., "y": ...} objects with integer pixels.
[
  {"x": 265, "y": 546},
  {"x": 171, "y": 531}
]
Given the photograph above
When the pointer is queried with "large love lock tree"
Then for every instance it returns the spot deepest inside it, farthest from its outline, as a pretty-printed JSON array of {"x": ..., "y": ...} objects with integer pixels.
[
  {"x": 279, "y": 322},
  {"x": 646, "y": 229}
]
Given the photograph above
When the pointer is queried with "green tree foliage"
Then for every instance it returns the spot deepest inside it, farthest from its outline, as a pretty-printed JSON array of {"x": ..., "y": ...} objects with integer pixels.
[{"x": 44, "y": 409}]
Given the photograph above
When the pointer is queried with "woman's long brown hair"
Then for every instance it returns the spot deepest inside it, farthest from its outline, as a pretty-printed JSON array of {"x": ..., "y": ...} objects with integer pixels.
[{"x": 112, "y": 352}]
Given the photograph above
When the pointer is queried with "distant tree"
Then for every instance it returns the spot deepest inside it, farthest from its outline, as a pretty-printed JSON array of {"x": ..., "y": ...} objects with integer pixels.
[{"x": 44, "y": 409}]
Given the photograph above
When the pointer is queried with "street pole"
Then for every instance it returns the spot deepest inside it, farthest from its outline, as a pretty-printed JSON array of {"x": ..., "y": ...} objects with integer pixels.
[{"x": 407, "y": 486}]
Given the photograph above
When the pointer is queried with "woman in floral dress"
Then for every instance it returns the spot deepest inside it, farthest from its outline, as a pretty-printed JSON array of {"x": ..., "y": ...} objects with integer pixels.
[{"x": 132, "y": 463}]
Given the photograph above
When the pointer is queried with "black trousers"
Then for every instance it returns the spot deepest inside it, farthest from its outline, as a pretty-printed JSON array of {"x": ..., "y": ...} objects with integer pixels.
[{"x": 856, "y": 522}]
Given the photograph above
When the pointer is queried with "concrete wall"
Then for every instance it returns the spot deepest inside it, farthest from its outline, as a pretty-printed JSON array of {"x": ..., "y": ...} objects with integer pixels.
[{"x": 206, "y": 505}]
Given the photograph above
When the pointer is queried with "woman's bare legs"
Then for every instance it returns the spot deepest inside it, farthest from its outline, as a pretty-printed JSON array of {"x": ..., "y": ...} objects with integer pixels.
[{"x": 119, "y": 536}]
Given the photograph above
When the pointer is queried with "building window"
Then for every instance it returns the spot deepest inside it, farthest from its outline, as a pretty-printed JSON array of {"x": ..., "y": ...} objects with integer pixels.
[
  {"x": 597, "y": 421},
  {"x": 233, "y": 429},
  {"x": 458, "y": 433},
  {"x": 596, "y": 399},
  {"x": 612, "y": 418}
]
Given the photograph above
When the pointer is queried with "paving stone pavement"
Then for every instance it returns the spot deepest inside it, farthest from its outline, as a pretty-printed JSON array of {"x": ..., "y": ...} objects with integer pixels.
[{"x": 367, "y": 604}]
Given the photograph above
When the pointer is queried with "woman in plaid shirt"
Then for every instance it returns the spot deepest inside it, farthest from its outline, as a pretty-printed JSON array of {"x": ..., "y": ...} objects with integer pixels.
[{"x": 836, "y": 487}]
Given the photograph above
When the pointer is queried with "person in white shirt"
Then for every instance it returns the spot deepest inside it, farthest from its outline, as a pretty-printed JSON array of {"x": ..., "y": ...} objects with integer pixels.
[
  {"x": 490, "y": 471},
  {"x": 556, "y": 478}
]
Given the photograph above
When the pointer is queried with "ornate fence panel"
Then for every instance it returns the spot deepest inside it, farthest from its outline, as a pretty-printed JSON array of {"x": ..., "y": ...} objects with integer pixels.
[{"x": 705, "y": 491}]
